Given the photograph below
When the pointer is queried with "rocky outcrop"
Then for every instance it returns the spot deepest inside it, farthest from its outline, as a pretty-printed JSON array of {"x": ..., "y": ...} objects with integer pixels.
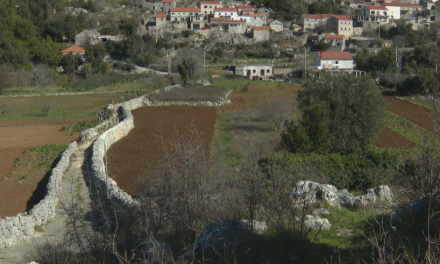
[
  {"x": 316, "y": 222},
  {"x": 228, "y": 233},
  {"x": 307, "y": 193}
]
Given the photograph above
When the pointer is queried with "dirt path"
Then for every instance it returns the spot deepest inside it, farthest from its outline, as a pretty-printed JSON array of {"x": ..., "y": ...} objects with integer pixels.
[{"x": 73, "y": 191}]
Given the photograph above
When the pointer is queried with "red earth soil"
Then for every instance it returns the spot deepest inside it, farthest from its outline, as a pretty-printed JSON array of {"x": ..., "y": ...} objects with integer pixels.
[
  {"x": 237, "y": 104},
  {"x": 412, "y": 112},
  {"x": 391, "y": 139},
  {"x": 138, "y": 154},
  {"x": 16, "y": 197}
]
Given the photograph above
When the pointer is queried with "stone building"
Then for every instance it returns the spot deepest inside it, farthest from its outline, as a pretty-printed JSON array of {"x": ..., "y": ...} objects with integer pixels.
[
  {"x": 235, "y": 26},
  {"x": 313, "y": 21},
  {"x": 245, "y": 10},
  {"x": 256, "y": 20},
  {"x": 207, "y": 7},
  {"x": 261, "y": 34},
  {"x": 341, "y": 25},
  {"x": 161, "y": 20},
  {"x": 217, "y": 23},
  {"x": 253, "y": 71},
  {"x": 276, "y": 25},
  {"x": 337, "y": 41},
  {"x": 164, "y": 5}
]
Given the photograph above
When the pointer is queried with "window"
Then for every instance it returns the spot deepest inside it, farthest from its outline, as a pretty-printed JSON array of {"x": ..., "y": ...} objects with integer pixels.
[
  {"x": 268, "y": 71},
  {"x": 173, "y": 14},
  {"x": 210, "y": 6},
  {"x": 205, "y": 12},
  {"x": 206, "y": 6},
  {"x": 175, "y": 19},
  {"x": 253, "y": 71},
  {"x": 190, "y": 14},
  {"x": 337, "y": 62}
]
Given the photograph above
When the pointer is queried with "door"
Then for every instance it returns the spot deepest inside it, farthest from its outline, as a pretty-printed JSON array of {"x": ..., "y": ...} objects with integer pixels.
[
  {"x": 248, "y": 72},
  {"x": 196, "y": 26},
  {"x": 262, "y": 73}
]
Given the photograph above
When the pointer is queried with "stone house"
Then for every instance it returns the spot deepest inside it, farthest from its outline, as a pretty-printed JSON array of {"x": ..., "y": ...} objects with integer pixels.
[
  {"x": 217, "y": 23},
  {"x": 161, "y": 20},
  {"x": 164, "y": 5},
  {"x": 334, "y": 60},
  {"x": 276, "y": 25},
  {"x": 337, "y": 41},
  {"x": 297, "y": 28},
  {"x": 226, "y": 12},
  {"x": 261, "y": 34},
  {"x": 341, "y": 25},
  {"x": 256, "y": 20},
  {"x": 92, "y": 36},
  {"x": 208, "y": 7},
  {"x": 235, "y": 26},
  {"x": 245, "y": 10},
  {"x": 312, "y": 21},
  {"x": 253, "y": 71}
]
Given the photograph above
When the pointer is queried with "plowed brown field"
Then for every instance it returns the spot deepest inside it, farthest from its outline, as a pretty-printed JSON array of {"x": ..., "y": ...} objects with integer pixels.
[
  {"x": 15, "y": 195},
  {"x": 139, "y": 153},
  {"x": 237, "y": 104},
  {"x": 412, "y": 112},
  {"x": 391, "y": 139}
]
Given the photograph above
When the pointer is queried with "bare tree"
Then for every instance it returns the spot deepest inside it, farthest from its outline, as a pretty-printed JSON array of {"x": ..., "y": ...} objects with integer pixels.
[
  {"x": 276, "y": 110},
  {"x": 45, "y": 106},
  {"x": 42, "y": 76},
  {"x": 6, "y": 77},
  {"x": 6, "y": 104}
]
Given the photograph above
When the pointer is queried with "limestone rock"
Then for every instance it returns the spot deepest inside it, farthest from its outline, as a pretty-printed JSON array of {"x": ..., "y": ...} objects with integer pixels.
[
  {"x": 309, "y": 192},
  {"x": 228, "y": 233},
  {"x": 321, "y": 211},
  {"x": 345, "y": 232},
  {"x": 380, "y": 193},
  {"x": 315, "y": 222},
  {"x": 345, "y": 198}
]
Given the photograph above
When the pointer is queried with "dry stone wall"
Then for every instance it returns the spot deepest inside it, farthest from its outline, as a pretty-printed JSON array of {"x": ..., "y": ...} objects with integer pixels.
[{"x": 20, "y": 228}]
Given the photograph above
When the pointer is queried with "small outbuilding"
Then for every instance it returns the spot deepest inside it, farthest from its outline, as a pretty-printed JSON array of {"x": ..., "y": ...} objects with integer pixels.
[
  {"x": 75, "y": 49},
  {"x": 161, "y": 20},
  {"x": 261, "y": 33},
  {"x": 276, "y": 25},
  {"x": 235, "y": 26},
  {"x": 260, "y": 72}
]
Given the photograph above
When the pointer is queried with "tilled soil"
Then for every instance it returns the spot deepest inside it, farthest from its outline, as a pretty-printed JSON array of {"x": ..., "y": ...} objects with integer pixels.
[
  {"x": 139, "y": 154},
  {"x": 15, "y": 194},
  {"x": 237, "y": 104},
  {"x": 391, "y": 139},
  {"x": 412, "y": 112}
]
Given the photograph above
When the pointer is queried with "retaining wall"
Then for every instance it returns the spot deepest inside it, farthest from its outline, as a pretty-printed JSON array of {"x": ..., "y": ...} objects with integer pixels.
[
  {"x": 58, "y": 94},
  {"x": 20, "y": 228}
]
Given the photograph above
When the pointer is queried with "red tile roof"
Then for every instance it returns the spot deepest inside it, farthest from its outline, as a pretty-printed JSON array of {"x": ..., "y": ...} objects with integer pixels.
[
  {"x": 161, "y": 15},
  {"x": 245, "y": 7},
  {"x": 217, "y": 19},
  {"x": 334, "y": 37},
  {"x": 167, "y": 1},
  {"x": 262, "y": 28},
  {"x": 403, "y": 4},
  {"x": 235, "y": 21},
  {"x": 223, "y": 9},
  {"x": 184, "y": 9},
  {"x": 343, "y": 18},
  {"x": 318, "y": 16},
  {"x": 209, "y": 2},
  {"x": 376, "y": 7},
  {"x": 335, "y": 55},
  {"x": 255, "y": 15},
  {"x": 74, "y": 49}
]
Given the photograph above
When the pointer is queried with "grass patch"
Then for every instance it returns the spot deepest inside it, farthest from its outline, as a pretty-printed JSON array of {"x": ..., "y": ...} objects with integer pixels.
[
  {"x": 80, "y": 126},
  {"x": 408, "y": 129},
  {"x": 192, "y": 94}
]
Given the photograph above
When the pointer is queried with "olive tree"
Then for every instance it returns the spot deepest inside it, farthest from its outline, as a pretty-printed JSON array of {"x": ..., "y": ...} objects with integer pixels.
[{"x": 341, "y": 114}]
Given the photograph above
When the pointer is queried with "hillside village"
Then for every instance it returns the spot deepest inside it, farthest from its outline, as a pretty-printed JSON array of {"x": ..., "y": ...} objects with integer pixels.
[{"x": 186, "y": 131}]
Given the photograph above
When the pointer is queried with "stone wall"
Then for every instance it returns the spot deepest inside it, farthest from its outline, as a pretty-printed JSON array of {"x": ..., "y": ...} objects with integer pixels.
[
  {"x": 59, "y": 94},
  {"x": 282, "y": 71},
  {"x": 20, "y": 228}
]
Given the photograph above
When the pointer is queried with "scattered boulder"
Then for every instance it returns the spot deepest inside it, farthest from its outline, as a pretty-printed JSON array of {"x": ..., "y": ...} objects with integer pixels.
[
  {"x": 315, "y": 222},
  {"x": 345, "y": 232},
  {"x": 228, "y": 233},
  {"x": 308, "y": 192},
  {"x": 321, "y": 211}
]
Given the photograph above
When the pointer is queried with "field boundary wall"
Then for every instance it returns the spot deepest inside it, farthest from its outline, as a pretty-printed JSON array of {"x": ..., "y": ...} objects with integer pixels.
[
  {"x": 20, "y": 228},
  {"x": 61, "y": 94}
]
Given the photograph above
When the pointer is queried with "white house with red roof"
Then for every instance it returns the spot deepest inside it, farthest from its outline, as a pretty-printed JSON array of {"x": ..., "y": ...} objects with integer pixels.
[
  {"x": 75, "y": 49},
  {"x": 207, "y": 7},
  {"x": 184, "y": 13},
  {"x": 245, "y": 10},
  {"x": 374, "y": 13},
  {"x": 404, "y": 8},
  {"x": 334, "y": 60},
  {"x": 229, "y": 13}
]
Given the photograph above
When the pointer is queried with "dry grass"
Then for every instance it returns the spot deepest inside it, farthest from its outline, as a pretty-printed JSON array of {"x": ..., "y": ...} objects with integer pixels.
[{"x": 192, "y": 94}]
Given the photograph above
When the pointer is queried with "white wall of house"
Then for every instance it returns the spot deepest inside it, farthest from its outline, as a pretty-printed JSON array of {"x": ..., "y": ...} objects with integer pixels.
[
  {"x": 394, "y": 12},
  {"x": 228, "y": 15},
  {"x": 333, "y": 64},
  {"x": 254, "y": 70}
]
